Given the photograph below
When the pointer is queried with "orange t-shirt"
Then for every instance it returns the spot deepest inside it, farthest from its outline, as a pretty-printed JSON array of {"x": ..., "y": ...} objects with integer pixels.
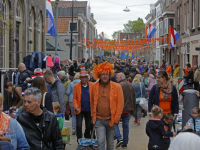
[
  {"x": 165, "y": 105},
  {"x": 186, "y": 71},
  {"x": 169, "y": 69}
]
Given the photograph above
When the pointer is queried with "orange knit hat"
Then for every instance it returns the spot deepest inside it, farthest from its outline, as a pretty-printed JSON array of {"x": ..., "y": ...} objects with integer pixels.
[
  {"x": 104, "y": 67},
  {"x": 176, "y": 64}
]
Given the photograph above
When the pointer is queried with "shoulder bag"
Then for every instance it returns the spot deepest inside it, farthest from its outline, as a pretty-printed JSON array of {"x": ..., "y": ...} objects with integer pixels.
[{"x": 143, "y": 102}]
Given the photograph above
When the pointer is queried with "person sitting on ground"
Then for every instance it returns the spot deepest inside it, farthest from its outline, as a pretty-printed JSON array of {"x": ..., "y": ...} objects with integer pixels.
[
  {"x": 10, "y": 128},
  {"x": 59, "y": 116},
  {"x": 167, "y": 119},
  {"x": 40, "y": 126},
  {"x": 196, "y": 116},
  {"x": 17, "y": 94},
  {"x": 155, "y": 129}
]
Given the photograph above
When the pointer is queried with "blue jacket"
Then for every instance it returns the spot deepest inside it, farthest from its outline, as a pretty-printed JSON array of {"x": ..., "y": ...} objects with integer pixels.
[
  {"x": 6, "y": 146},
  {"x": 174, "y": 103},
  {"x": 138, "y": 91},
  {"x": 70, "y": 90},
  {"x": 17, "y": 135},
  {"x": 197, "y": 123},
  {"x": 141, "y": 69}
]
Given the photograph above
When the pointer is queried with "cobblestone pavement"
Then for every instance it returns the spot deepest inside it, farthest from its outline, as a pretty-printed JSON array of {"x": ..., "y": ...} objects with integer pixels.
[{"x": 138, "y": 139}]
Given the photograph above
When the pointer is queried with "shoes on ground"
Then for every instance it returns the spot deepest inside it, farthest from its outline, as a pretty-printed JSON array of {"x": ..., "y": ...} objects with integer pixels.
[
  {"x": 124, "y": 146},
  {"x": 119, "y": 143},
  {"x": 73, "y": 132},
  {"x": 135, "y": 121},
  {"x": 138, "y": 123}
]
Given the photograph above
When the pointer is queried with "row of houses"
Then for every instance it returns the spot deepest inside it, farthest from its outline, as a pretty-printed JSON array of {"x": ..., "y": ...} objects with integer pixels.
[
  {"x": 25, "y": 30},
  {"x": 184, "y": 17}
]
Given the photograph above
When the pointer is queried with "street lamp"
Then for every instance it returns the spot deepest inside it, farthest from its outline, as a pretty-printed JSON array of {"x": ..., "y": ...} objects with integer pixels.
[
  {"x": 56, "y": 34},
  {"x": 71, "y": 29},
  {"x": 126, "y": 9}
]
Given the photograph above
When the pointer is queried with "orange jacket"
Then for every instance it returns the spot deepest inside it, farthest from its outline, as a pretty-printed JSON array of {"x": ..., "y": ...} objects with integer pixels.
[
  {"x": 116, "y": 102},
  {"x": 169, "y": 70},
  {"x": 77, "y": 95},
  {"x": 186, "y": 71}
]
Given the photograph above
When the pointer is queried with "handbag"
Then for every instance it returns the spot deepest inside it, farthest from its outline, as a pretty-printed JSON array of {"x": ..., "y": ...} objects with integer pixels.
[
  {"x": 43, "y": 103},
  {"x": 143, "y": 102}
]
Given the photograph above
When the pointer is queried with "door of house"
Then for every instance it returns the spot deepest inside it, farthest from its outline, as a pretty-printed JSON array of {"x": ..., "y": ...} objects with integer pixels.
[{"x": 194, "y": 60}]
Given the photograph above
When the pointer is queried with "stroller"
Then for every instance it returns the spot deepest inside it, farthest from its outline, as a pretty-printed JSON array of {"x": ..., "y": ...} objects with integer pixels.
[
  {"x": 88, "y": 144},
  {"x": 191, "y": 130}
]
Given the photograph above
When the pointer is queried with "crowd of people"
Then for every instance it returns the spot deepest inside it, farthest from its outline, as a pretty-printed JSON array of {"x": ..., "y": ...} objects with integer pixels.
[{"x": 103, "y": 93}]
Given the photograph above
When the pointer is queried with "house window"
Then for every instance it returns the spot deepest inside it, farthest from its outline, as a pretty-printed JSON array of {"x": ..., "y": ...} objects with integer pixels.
[
  {"x": 165, "y": 26},
  {"x": 185, "y": 17},
  {"x": 188, "y": 15},
  {"x": 73, "y": 27},
  {"x": 18, "y": 10},
  {"x": 167, "y": 3},
  {"x": 199, "y": 12},
  {"x": 161, "y": 28},
  {"x": 171, "y": 22},
  {"x": 193, "y": 10}
]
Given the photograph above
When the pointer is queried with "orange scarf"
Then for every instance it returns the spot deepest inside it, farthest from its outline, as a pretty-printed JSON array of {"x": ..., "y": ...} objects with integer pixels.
[
  {"x": 4, "y": 123},
  {"x": 166, "y": 91}
]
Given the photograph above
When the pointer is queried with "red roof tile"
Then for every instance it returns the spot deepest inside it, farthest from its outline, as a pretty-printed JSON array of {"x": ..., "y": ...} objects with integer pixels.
[{"x": 63, "y": 23}]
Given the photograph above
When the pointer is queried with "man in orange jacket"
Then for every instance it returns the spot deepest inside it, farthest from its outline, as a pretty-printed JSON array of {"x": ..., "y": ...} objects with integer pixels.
[
  {"x": 107, "y": 103},
  {"x": 81, "y": 102}
]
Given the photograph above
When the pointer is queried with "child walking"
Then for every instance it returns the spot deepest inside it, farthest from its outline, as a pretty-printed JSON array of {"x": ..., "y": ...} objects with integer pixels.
[
  {"x": 167, "y": 119},
  {"x": 196, "y": 116},
  {"x": 59, "y": 116},
  {"x": 155, "y": 130}
]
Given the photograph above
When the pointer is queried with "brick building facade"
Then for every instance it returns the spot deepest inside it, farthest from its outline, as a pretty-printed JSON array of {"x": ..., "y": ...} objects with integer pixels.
[{"x": 28, "y": 34}]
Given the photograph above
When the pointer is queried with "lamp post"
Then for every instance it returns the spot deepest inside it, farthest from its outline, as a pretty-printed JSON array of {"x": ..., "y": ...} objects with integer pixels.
[
  {"x": 56, "y": 34},
  {"x": 71, "y": 31}
]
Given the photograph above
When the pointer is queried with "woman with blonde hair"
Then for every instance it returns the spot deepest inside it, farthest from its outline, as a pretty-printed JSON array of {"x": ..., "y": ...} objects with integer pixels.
[{"x": 140, "y": 93}]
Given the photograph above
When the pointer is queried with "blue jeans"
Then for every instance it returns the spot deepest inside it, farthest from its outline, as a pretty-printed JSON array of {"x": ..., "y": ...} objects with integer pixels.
[
  {"x": 125, "y": 125},
  {"x": 73, "y": 115},
  {"x": 105, "y": 132}
]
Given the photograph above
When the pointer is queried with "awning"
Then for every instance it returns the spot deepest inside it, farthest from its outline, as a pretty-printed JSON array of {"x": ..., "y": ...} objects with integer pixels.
[{"x": 51, "y": 47}]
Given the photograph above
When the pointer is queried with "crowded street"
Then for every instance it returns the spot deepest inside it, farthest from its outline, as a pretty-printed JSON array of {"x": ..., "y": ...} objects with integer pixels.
[{"x": 99, "y": 75}]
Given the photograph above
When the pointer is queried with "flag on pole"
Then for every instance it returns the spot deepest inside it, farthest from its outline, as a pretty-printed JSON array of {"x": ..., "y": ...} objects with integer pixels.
[
  {"x": 150, "y": 31},
  {"x": 101, "y": 35},
  {"x": 173, "y": 37},
  {"x": 51, "y": 25}
]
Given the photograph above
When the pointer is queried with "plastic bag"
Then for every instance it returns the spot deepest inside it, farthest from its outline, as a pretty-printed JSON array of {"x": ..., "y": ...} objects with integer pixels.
[
  {"x": 143, "y": 104},
  {"x": 65, "y": 132}
]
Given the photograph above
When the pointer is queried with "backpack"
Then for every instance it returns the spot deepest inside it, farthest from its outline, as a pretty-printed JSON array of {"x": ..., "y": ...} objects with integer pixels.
[{"x": 157, "y": 88}]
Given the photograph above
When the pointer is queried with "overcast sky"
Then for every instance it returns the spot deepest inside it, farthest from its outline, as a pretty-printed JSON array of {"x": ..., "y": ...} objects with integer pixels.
[{"x": 110, "y": 17}]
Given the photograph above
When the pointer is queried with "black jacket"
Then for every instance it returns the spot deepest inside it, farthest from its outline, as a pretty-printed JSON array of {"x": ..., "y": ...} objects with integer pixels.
[
  {"x": 22, "y": 77},
  {"x": 155, "y": 130},
  {"x": 133, "y": 71},
  {"x": 190, "y": 77},
  {"x": 47, "y": 138}
]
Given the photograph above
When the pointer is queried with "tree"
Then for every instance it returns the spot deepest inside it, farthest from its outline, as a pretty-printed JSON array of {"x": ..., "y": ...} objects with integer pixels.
[
  {"x": 114, "y": 33},
  {"x": 6, "y": 24},
  {"x": 134, "y": 26}
]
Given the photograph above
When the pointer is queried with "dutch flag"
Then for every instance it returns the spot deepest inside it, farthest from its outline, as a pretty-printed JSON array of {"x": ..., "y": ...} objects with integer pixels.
[
  {"x": 150, "y": 31},
  {"x": 51, "y": 25},
  {"x": 101, "y": 35},
  {"x": 174, "y": 37}
]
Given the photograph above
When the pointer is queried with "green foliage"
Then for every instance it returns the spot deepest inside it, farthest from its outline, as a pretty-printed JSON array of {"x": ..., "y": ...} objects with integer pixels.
[
  {"x": 134, "y": 26},
  {"x": 114, "y": 33},
  {"x": 156, "y": 62},
  {"x": 6, "y": 24}
]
